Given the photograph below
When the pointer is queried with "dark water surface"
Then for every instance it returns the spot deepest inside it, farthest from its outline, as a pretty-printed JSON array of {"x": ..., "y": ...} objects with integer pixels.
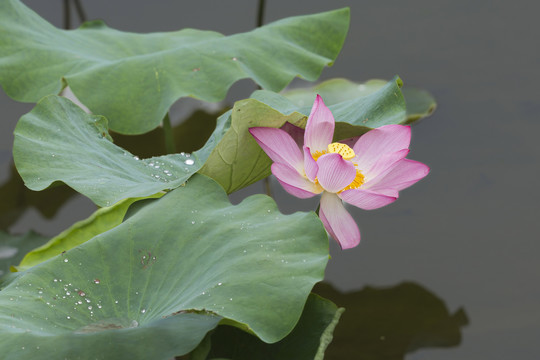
[{"x": 459, "y": 247}]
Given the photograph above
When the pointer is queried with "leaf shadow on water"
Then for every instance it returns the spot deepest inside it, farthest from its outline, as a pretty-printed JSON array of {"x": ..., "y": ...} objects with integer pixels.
[
  {"x": 379, "y": 323},
  {"x": 14, "y": 247},
  {"x": 308, "y": 340},
  {"x": 17, "y": 198},
  {"x": 189, "y": 135},
  {"x": 389, "y": 322}
]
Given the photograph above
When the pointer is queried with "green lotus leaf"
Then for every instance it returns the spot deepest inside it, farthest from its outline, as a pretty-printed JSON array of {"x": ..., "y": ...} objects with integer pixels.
[
  {"x": 100, "y": 221},
  {"x": 354, "y": 116},
  {"x": 133, "y": 79},
  {"x": 153, "y": 286},
  {"x": 419, "y": 103},
  {"x": 307, "y": 341},
  {"x": 13, "y": 248},
  {"x": 58, "y": 141},
  {"x": 238, "y": 161}
]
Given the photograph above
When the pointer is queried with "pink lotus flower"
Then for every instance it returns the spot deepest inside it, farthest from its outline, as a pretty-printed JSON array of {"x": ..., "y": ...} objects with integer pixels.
[{"x": 368, "y": 175}]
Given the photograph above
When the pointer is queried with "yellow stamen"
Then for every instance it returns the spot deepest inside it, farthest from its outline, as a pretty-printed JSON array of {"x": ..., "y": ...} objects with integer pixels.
[
  {"x": 347, "y": 154},
  {"x": 344, "y": 150},
  {"x": 357, "y": 182},
  {"x": 318, "y": 154}
]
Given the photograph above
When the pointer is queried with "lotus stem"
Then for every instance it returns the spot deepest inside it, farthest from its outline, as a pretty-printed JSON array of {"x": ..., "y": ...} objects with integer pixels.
[{"x": 169, "y": 138}]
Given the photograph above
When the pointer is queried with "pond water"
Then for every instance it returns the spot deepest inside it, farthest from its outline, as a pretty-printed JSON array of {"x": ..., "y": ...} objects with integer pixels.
[{"x": 450, "y": 270}]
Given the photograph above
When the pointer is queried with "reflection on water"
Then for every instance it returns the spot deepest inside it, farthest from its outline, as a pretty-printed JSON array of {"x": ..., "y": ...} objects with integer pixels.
[
  {"x": 14, "y": 247},
  {"x": 17, "y": 198},
  {"x": 189, "y": 135},
  {"x": 387, "y": 323}
]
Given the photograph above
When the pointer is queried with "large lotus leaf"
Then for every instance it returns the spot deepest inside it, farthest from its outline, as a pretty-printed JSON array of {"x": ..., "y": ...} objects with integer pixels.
[
  {"x": 395, "y": 321},
  {"x": 133, "y": 79},
  {"x": 419, "y": 102},
  {"x": 58, "y": 141},
  {"x": 308, "y": 340},
  {"x": 147, "y": 288},
  {"x": 100, "y": 221},
  {"x": 189, "y": 136},
  {"x": 238, "y": 161},
  {"x": 13, "y": 248}
]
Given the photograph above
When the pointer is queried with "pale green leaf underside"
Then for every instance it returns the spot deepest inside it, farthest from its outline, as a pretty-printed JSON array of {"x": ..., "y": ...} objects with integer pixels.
[
  {"x": 189, "y": 250},
  {"x": 100, "y": 221},
  {"x": 238, "y": 161},
  {"x": 133, "y": 79}
]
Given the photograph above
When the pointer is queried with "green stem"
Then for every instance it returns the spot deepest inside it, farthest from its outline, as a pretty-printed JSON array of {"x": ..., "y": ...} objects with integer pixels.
[
  {"x": 67, "y": 15},
  {"x": 169, "y": 138},
  {"x": 260, "y": 21},
  {"x": 260, "y": 13},
  {"x": 80, "y": 11},
  {"x": 67, "y": 12},
  {"x": 267, "y": 187}
]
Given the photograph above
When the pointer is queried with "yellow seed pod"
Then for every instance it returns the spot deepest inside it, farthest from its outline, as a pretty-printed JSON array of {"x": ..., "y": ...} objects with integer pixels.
[{"x": 344, "y": 150}]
